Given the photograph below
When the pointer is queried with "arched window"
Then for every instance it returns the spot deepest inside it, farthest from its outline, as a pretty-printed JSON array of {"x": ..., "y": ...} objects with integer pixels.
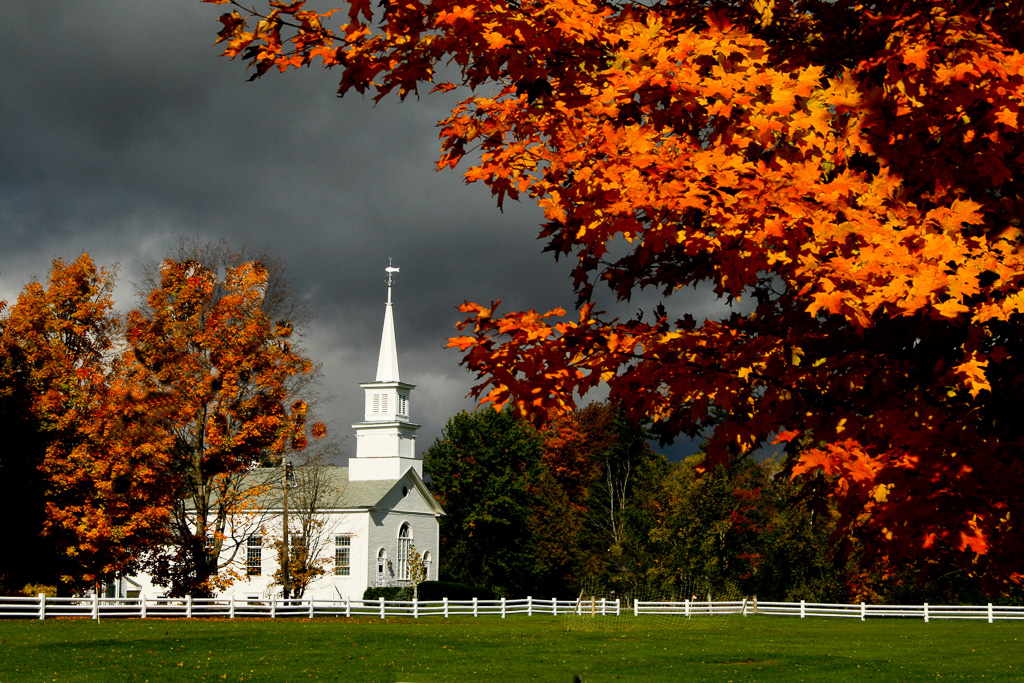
[
  {"x": 426, "y": 564},
  {"x": 404, "y": 541}
]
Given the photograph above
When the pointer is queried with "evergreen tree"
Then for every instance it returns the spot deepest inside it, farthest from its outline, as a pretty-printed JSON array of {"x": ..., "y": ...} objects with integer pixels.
[{"x": 482, "y": 469}]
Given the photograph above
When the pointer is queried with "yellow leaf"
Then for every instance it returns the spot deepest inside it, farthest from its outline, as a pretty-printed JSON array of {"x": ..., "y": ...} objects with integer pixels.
[{"x": 881, "y": 492}]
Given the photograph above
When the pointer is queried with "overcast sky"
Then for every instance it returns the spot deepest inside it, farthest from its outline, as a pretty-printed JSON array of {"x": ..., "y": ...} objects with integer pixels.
[{"x": 122, "y": 131}]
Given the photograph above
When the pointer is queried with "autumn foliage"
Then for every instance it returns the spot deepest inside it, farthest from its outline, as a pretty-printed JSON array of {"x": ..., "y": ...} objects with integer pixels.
[
  {"x": 93, "y": 457},
  {"x": 210, "y": 345},
  {"x": 847, "y": 176},
  {"x": 129, "y": 439}
]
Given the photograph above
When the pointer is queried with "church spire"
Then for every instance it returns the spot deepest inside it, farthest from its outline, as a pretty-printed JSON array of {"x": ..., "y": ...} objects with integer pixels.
[
  {"x": 387, "y": 362},
  {"x": 386, "y": 438}
]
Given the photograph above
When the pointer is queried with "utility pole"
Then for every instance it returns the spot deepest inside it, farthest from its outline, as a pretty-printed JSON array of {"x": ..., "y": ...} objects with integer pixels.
[{"x": 286, "y": 556}]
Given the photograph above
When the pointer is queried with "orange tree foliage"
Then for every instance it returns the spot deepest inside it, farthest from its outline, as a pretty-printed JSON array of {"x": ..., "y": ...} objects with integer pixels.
[
  {"x": 210, "y": 345},
  {"x": 851, "y": 169},
  {"x": 92, "y": 472}
]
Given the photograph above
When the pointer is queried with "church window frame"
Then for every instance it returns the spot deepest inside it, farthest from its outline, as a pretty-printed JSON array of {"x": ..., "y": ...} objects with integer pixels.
[
  {"x": 296, "y": 546},
  {"x": 379, "y": 403},
  {"x": 254, "y": 555},
  {"x": 342, "y": 554},
  {"x": 382, "y": 565},
  {"x": 404, "y": 550}
]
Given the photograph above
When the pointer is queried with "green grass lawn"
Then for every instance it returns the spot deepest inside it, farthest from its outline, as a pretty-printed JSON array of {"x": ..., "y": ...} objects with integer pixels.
[{"x": 519, "y": 649}]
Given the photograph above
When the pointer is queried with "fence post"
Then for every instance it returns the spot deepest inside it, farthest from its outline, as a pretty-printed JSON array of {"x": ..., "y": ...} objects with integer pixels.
[
  {"x": 96, "y": 605},
  {"x": 744, "y": 607},
  {"x": 503, "y": 607},
  {"x": 231, "y": 607},
  {"x": 989, "y": 612},
  {"x": 188, "y": 606},
  {"x": 618, "y": 607},
  {"x": 382, "y": 607},
  {"x": 273, "y": 607},
  {"x": 42, "y": 606},
  {"x": 474, "y": 606},
  {"x": 348, "y": 607},
  {"x": 415, "y": 608},
  {"x": 529, "y": 605},
  {"x": 636, "y": 607},
  {"x": 311, "y": 607},
  {"x": 926, "y": 612},
  {"x": 803, "y": 609},
  {"x": 446, "y": 608},
  {"x": 142, "y": 601},
  {"x": 686, "y": 608},
  {"x": 755, "y": 604},
  {"x": 863, "y": 611},
  {"x": 604, "y": 606},
  {"x": 554, "y": 606}
]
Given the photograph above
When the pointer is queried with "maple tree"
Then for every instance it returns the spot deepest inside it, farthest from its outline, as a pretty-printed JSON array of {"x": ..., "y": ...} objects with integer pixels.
[
  {"x": 19, "y": 463},
  {"x": 209, "y": 344},
  {"x": 849, "y": 172},
  {"x": 91, "y": 470}
]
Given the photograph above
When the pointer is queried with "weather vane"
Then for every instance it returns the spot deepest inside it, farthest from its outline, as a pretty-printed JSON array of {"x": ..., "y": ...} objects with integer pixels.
[{"x": 390, "y": 270}]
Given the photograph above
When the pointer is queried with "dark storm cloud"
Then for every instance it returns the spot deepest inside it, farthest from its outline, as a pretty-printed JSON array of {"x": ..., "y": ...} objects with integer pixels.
[{"x": 121, "y": 131}]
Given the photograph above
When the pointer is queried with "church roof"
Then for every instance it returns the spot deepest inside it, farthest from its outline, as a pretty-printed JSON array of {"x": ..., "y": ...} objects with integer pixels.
[{"x": 348, "y": 495}]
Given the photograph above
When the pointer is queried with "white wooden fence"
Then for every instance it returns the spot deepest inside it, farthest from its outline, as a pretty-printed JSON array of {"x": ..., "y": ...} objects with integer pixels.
[
  {"x": 95, "y": 607},
  {"x": 802, "y": 609}
]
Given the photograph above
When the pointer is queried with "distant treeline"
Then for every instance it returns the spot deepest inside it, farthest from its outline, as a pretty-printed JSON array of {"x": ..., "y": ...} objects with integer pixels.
[{"x": 585, "y": 504}]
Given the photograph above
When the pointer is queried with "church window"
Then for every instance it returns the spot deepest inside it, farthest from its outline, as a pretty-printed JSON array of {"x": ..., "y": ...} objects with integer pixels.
[
  {"x": 382, "y": 563},
  {"x": 403, "y": 405},
  {"x": 254, "y": 556},
  {"x": 404, "y": 543},
  {"x": 383, "y": 403},
  {"x": 208, "y": 546},
  {"x": 426, "y": 563},
  {"x": 342, "y": 555},
  {"x": 376, "y": 403},
  {"x": 297, "y": 547}
]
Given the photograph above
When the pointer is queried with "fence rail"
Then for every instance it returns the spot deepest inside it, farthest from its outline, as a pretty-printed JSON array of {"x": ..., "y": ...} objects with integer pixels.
[{"x": 95, "y": 607}]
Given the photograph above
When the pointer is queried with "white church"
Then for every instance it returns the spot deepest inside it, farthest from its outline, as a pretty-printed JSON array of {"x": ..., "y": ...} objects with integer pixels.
[{"x": 380, "y": 510}]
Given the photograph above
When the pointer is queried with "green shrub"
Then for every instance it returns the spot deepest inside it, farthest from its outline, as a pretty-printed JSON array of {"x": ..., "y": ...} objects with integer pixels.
[
  {"x": 439, "y": 590},
  {"x": 389, "y": 593}
]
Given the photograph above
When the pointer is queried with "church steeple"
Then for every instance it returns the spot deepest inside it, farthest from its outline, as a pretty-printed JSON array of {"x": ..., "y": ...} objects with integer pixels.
[
  {"x": 386, "y": 438},
  {"x": 387, "y": 362}
]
